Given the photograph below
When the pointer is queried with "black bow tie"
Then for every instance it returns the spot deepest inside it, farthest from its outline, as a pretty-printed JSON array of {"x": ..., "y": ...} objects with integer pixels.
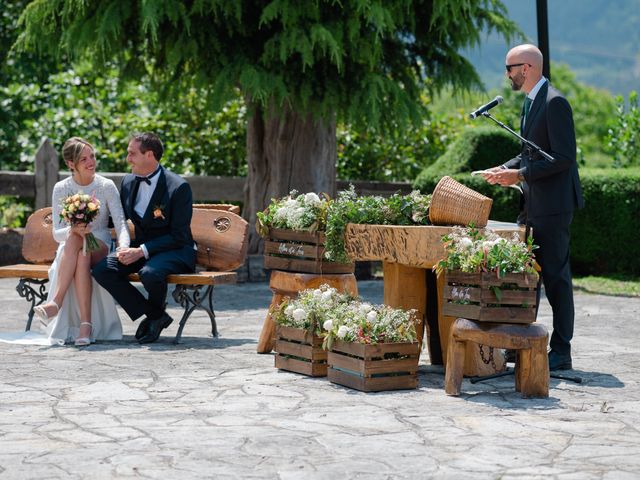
[{"x": 148, "y": 178}]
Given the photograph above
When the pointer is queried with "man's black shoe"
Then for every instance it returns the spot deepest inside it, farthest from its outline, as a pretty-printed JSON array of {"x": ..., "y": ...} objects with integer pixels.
[
  {"x": 559, "y": 362},
  {"x": 155, "y": 327},
  {"x": 143, "y": 328}
]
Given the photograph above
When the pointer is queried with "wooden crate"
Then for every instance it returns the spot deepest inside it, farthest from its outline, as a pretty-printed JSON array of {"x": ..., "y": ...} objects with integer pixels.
[
  {"x": 471, "y": 295},
  {"x": 294, "y": 251},
  {"x": 300, "y": 351},
  {"x": 374, "y": 368}
]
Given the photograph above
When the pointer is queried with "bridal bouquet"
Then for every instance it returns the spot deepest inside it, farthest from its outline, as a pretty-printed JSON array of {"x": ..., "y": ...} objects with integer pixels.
[{"x": 79, "y": 209}]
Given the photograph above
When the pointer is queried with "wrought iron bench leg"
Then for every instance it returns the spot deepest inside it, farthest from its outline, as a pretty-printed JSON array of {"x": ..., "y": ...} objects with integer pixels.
[
  {"x": 35, "y": 296},
  {"x": 191, "y": 297}
]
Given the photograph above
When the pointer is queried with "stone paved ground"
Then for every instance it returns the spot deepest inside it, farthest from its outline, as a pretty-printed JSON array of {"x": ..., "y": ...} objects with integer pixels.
[{"x": 213, "y": 408}]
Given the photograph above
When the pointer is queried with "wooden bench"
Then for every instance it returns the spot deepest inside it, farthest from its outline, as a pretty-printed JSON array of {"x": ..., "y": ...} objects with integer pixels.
[{"x": 221, "y": 235}]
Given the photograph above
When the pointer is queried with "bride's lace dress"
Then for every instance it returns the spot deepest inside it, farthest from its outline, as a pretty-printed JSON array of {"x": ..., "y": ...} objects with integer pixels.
[{"x": 65, "y": 326}]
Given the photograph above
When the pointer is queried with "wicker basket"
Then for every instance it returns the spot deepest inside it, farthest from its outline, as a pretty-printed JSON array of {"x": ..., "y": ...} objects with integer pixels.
[{"x": 455, "y": 204}]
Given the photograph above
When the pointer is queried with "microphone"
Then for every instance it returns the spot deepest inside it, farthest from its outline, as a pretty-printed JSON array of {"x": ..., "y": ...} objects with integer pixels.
[{"x": 486, "y": 107}]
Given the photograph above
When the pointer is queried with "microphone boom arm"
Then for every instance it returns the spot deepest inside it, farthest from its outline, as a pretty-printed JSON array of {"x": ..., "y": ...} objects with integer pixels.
[{"x": 529, "y": 143}]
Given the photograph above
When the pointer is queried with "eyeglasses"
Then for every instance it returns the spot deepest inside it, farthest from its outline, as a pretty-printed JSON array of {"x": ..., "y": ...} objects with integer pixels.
[{"x": 509, "y": 67}]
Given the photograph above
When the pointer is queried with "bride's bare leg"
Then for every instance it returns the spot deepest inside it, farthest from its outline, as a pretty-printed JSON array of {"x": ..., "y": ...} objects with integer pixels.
[
  {"x": 83, "y": 283},
  {"x": 66, "y": 271}
]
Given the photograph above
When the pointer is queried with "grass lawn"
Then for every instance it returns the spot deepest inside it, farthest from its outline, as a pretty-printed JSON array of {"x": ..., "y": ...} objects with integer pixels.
[{"x": 613, "y": 285}]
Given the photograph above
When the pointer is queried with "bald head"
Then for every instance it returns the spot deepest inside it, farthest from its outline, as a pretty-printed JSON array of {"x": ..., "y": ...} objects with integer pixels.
[{"x": 529, "y": 60}]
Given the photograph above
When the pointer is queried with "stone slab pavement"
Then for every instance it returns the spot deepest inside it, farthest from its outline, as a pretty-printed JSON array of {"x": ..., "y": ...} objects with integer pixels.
[{"x": 213, "y": 408}]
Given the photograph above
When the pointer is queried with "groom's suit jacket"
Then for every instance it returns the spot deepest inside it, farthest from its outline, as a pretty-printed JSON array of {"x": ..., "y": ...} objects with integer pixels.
[
  {"x": 166, "y": 224},
  {"x": 550, "y": 187}
]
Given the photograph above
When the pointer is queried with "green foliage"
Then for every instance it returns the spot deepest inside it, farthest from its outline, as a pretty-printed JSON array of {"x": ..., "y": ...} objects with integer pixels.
[
  {"x": 398, "y": 209},
  {"x": 474, "y": 149},
  {"x": 601, "y": 234},
  {"x": 624, "y": 137},
  {"x": 97, "y": 107},
  {"x": 604, "y": 234},
  {"x": 399, "y": 154},
  {"x": 367, "y": 61},
  {"x": 15, "y": 211}
]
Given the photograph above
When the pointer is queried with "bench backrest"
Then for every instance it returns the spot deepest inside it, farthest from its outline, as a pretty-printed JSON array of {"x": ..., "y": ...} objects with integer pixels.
[{"x": 222, "y": 237}]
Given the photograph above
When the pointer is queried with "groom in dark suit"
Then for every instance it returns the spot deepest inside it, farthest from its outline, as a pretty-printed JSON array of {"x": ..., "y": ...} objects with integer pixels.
[
  {"x": 552, "y": 190},
  {"x": 159, "y": 204}
]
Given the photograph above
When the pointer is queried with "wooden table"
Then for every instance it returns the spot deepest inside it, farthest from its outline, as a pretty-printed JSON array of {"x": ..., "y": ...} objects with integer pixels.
[{"x": 407, "y": 252}]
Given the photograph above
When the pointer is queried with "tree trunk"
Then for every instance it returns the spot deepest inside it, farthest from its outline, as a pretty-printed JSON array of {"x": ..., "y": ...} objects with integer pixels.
[{"x": 286, "y": 151}]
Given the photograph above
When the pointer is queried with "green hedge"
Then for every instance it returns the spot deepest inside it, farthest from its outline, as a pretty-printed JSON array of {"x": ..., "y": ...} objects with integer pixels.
[
  {"x": 604, "y": 234},
  {"x": 474, "y": 149}
]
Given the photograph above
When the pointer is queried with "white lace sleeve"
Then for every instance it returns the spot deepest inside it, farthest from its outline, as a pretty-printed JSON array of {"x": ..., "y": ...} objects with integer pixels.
[
  {"x": 117, "y": 214},
  {"x": 60, "y": 227}
]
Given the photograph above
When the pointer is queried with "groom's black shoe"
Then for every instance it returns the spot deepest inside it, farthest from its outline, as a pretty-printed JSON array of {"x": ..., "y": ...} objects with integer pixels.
[
  {"x": 143, "y": 328},
  {"x": 559, "y": 362},
  {"x": 155, "y": 327}
]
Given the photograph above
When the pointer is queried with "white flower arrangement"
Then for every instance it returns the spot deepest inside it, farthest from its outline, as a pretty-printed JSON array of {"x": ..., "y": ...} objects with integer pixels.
[
  {"x": 302, "y": 212},
  {"x": 472, "y": 251},
  {"x": 310, "y": 311},
  {"x": 360, "y": 322},
  {"x": 339, "y": 315}
]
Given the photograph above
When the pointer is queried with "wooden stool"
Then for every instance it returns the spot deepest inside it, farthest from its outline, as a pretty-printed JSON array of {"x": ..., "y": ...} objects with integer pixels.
[
  {"x": 529, "y": 341},
  {"x": 288, "y": 284}
]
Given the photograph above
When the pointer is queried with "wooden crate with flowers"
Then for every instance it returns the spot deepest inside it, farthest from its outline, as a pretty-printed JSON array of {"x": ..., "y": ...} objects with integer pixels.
[
  {"x": 489, "y": 278},
  {"x": 299, "y": 326},
  {"x": 372, "y": 348},
  {"x": 293, "y": 229}
]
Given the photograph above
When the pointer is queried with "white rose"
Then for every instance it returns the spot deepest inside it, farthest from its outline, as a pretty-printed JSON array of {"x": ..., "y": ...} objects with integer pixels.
[
  {"x": 326, "y": 296},
  {"x": 328, "y": 325},
  {"x": 317, "y": 293},
  {"x": 289, "y": 310},
  {"x": 466, "y": 242},
  {"x": 342, "y": 331},
  {"x": 371, "y": 316},
  {"x": 311, "y": 198},
  {"x": 364, "y": 308},
  {"x": 299, "y": 314}
]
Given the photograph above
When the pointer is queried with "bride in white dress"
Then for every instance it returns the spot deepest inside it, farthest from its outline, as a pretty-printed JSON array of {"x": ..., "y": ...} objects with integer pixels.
[{"x": 78, "y": 309}]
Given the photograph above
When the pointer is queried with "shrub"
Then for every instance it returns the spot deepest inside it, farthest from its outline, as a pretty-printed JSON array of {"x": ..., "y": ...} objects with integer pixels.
[
  {"x": 602, "y": 234},
  {"x": 474, "y": 149}
]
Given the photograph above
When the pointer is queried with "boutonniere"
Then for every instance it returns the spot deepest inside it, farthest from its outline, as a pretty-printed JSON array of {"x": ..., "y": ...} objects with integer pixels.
[{"x": 157, "y": 212}]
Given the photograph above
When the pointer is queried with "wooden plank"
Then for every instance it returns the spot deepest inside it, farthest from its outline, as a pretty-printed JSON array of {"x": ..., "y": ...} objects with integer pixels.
[
  {"x": 299, "y": 366},
  {"x": 306, "y": 266},
  {"x": 300, "y": 350},
  {"x": 405, "y": 287},
  {"x": 299, "y": 335},
  {"x": 401, "y": 382},
  {"x": 222, "y": 238},
  {"x": 25, "y": 270},
  {"x": 317, "y": 238},
  {"x": 293, "y": 249},
  {"x": 416, "y": 246}
]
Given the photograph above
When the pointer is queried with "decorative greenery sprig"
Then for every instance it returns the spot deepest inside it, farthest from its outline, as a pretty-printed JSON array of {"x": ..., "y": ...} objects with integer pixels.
[
  {"x": 471, "y": 250},
  {"x": 398, "y": 209}
]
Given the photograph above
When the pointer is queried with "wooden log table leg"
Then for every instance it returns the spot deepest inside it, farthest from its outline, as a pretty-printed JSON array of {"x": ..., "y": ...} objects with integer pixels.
[
  {"x": 406, "y": 287},
  {"x": 288, "y": 284}
]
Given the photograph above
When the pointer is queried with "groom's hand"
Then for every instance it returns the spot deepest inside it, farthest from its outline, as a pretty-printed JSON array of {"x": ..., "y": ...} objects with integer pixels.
[{"x": 127, "y": 256}]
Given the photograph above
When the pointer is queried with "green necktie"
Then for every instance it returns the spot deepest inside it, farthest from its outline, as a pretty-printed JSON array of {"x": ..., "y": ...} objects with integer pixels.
[{"x": 527, "y": 107}]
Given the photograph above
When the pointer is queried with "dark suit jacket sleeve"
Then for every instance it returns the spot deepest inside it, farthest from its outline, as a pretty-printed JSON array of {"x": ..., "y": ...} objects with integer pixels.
[
  {"x": 562, "y": 141},
  {"x": 180, "y": 211}
]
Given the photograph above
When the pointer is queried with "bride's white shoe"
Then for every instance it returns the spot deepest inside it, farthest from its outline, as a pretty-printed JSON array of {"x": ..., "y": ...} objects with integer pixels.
[
  {"x": 84, "y": 341},
  {"x": 41, "y": 312}
]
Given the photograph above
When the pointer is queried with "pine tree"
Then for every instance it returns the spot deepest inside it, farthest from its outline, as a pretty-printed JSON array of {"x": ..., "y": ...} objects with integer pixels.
[{"x": 299, "y": 65}]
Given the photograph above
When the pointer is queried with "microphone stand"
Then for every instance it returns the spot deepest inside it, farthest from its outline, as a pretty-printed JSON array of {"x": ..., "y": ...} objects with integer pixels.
[{"x": 531, "y": 149}]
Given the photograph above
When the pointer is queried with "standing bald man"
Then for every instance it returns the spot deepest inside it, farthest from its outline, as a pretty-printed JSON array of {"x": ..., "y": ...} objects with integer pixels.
[{"x": 552, "y": 190}]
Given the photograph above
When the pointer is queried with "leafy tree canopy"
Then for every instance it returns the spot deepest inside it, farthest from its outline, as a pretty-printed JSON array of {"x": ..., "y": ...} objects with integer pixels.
[{"x": 366, "y": 60}]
